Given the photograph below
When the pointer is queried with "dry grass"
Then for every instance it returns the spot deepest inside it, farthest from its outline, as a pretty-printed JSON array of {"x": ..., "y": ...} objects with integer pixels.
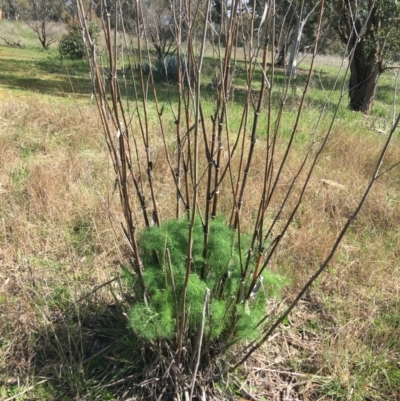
[{"x": 56, "y": 241}]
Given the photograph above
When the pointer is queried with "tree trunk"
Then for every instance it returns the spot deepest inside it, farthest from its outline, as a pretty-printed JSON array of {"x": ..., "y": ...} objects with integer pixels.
[
  {"x": 294, "y": 52},
  {"x": 366, "y": 65},
  {"x": 282, "y": 51},
  {"x": 365, "y": 70},
  {"x": 291, "y": 69}
]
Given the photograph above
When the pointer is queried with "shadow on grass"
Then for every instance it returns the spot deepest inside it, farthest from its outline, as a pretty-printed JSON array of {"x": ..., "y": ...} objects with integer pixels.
[
  {"x": 62, "y": 78},
  {"x": 49, "y": 76},
  {"x": 87, "y": 351}
]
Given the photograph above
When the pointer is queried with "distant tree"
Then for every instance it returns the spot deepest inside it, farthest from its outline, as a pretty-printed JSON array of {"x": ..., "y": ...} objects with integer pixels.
[
  {"x": 371, "y": 29},
  {"x": 221, "y": 13},
  {"x": 155, "y": 19},
  {"x": 116, "y": 11},
  {"x": 70, "y": 14},
  {"x": 217, "y": 11},
  {"x": 38, "y": 13},
  {"x": 307, "y": 10},
  {"x": 159, "y": 22},
  {"x": 12, "y": 8},
  {"x": 295, "y": 27}
]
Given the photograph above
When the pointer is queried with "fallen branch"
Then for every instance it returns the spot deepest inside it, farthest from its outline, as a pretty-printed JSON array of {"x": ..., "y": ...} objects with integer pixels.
[{"x": 12, "y": 43}]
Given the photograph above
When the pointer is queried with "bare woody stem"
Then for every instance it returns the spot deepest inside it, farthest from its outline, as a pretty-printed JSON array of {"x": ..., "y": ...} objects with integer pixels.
[{"x": 325, "y": 263}]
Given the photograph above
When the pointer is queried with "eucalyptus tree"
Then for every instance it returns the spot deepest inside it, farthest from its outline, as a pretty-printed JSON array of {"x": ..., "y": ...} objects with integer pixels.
[
  {"x": 302, "y": 16},
  {"x": 295, "y": 27},
  {"x": 10, "y": 9},
  {"x": 125, "y": 10},
  {"x": 370, "y": 29}
]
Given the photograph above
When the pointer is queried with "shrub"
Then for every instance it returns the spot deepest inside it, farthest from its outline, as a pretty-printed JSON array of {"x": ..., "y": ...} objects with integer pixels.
[
  {"x": 166, "y": 69},
  {"x": 71, "y": 45},
  {"x": 165, "y": 271}
]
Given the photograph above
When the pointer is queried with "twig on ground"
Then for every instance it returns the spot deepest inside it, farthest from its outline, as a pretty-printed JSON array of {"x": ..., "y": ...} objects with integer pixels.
[
  {"x": 12, "y": 43},
  {"x": 94, "y": 290}
]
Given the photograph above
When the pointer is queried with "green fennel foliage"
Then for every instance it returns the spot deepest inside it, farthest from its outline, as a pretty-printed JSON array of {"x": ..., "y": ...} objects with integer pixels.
[{"x": 225, "y": 316}]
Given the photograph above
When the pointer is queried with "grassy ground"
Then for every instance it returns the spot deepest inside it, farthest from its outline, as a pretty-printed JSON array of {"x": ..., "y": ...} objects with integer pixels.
[{"x": 61, "y": 334}]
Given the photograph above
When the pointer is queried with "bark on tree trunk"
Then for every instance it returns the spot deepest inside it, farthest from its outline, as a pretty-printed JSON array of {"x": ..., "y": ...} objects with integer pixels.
[
  {"x": 366, "y": 65},
  {"x": 282, "y": 50},
  {"x": 291, "y": 69},
  {"x": 365, "y": 71}
]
